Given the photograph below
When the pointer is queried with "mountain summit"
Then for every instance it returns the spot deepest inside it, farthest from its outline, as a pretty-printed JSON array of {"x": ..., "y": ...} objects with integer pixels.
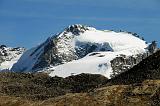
[
  {"x": 77, "y": 29},
  {"x": 82, "y": 49}
]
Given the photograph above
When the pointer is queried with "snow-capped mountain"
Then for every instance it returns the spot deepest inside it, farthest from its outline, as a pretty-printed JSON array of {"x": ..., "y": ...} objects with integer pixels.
[
  {"x": 9, "y": 56},
  {"x": 82, "y": 49}
]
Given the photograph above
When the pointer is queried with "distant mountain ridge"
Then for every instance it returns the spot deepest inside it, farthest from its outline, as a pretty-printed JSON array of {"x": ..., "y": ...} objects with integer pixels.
[
  {"x": 9, "y": 56},
  {"x": 82, "y": 49}
]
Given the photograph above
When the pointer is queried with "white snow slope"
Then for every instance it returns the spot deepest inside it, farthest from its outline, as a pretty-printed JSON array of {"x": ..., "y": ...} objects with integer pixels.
[
  {"x": 96, "y": 62},
  {"x": 9, "y": 56}
]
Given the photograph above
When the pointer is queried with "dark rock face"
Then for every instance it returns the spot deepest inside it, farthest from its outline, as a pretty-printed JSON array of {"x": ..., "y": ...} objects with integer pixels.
[
  {"x": 153, "y": 47},
  {"x": 3, "y": 46},
  {"x": 86, "y": 48},
  {"x": 76, "y": 29},
  {"x": 122, "y": 63},
  {"x": 51, "y": 55},
  {"x": 149, "y": 68}
]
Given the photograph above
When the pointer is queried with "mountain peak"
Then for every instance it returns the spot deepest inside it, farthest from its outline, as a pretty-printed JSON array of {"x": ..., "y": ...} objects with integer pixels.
[
  {"x": 81, "y": 45},
  {"x": 77, "y": 28}
]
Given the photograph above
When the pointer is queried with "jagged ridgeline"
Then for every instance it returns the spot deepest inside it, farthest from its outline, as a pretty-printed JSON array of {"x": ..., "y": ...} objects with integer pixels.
[{"x": 83, "y": 49}]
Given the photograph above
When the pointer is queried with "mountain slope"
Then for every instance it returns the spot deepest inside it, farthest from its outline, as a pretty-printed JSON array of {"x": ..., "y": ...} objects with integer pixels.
[
  {"x": 9, "y": 56},
  {"x": 149, "y": 68},
  {"x": 79, "y": 45}
]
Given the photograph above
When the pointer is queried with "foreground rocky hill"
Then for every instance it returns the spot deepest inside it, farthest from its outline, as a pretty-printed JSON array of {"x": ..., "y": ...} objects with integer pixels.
[
  {"x": 142, "y": 94},
  {"x": 40, "y": 86}
]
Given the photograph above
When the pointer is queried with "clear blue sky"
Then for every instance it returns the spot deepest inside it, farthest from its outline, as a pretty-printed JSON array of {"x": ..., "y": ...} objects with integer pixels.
[{"x": 27, "y": 23}]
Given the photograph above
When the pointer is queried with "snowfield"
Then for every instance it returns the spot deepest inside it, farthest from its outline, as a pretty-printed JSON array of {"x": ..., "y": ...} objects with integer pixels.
[
  {"x": 93, "y": 63},
  {"x": 9, "y": 57}
]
